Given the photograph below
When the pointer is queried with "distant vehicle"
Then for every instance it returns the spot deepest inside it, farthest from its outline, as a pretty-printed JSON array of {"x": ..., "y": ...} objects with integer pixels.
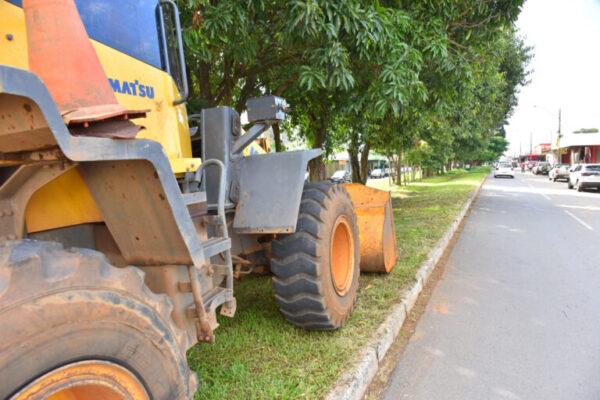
[
  {"x": 378, "y": 173},
  {"x": 341, "y": 176},
  {"x": 541, "y": 168},
  {"x": 559, "y": 171},
  {"x": 504, "y": 169},
  {"x": 584, "y": 176}
]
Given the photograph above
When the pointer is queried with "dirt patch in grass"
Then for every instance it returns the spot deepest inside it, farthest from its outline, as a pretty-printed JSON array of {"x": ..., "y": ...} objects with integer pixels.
[{"x": 258, "y": 355}]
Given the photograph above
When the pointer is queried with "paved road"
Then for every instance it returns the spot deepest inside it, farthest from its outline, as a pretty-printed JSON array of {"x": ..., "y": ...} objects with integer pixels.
[{"x": 517, "y": 313}]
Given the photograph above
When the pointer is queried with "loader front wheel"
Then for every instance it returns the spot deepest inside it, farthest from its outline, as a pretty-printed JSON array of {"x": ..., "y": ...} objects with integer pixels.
[
  {"x": 316, "y": 268},
  {"x": 75, "y": 327}
]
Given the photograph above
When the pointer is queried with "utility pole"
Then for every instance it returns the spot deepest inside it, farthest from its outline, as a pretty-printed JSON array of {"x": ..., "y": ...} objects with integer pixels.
[
  {"x": 530, "y": 143},
  {"x": 559, "y": 131},
  {"x": 559, "y": 112},
  {"x": 558, "y": 157}
]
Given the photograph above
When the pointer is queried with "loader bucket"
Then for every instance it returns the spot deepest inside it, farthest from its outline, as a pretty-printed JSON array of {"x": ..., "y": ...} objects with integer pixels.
[{"x": 373, "y": 208}]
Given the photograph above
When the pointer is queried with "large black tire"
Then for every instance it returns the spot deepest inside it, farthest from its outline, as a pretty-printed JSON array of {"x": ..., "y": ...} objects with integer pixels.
[
  {"x": 59, "y": 307},
  {"x": 311, "y": 291}
]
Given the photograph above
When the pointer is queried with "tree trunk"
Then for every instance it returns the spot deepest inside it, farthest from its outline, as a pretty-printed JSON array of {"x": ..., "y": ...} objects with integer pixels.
[
  {"x": 316, "y": 164},
  {"x": 364, "y": 162},
  {"x": 393, "y": 176},
  {"x": 277, "y": 137},
  {"x": 354, "y": 164},
  {"x": 399, "y": 168},
  {"x": 246, "y": 92},
  {"x": 316, "y": 169}
]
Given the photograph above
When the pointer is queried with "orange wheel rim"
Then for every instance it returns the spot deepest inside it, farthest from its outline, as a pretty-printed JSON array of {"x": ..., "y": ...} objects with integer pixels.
[
  {"x": 90, "y": 380},
  {"x": 342, "y": 256}
]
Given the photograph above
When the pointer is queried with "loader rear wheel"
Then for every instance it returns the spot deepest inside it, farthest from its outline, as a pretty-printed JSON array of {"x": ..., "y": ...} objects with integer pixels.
[
  {"x": 316, "y": 268},
  {"x": 75, "y": 327}
]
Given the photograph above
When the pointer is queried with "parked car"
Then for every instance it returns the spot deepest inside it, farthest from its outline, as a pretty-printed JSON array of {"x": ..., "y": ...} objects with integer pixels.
[
  {"x": 541, "y": 168},
  {"x": 559, "y": 171},
  {"x": 341, "y": 176},
  {"x": 504, "y": 169},
  {"x": 378, "y": 173},
  {"x": 584, "y": 176}
]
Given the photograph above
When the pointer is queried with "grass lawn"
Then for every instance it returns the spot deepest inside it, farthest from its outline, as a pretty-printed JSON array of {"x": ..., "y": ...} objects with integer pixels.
[{"x": 258, "y": 355}]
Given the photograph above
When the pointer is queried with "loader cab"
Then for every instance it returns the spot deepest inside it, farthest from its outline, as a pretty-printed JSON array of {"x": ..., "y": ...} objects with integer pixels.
[{"x": 139, "y": 48}]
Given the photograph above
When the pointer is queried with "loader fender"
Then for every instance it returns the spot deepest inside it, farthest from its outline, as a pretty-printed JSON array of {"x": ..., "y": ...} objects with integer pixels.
[
  {"x": 99, "y": 155},
  {"x": 270, "y": 188}
]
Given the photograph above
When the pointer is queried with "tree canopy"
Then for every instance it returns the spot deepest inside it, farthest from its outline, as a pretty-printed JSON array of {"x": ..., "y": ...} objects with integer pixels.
[
  {"x": 587, "y": 130},
  {"x": 393, "y": 76}
]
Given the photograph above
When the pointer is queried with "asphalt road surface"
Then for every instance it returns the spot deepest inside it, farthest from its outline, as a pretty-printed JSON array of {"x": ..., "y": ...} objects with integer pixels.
[{"x": 516, "y": 314}]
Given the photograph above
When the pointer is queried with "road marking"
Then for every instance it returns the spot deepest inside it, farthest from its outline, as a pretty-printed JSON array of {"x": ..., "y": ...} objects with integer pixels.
[
  {"x": 579, "y": 220},
  {"x": 535, "y": 189},
  {"x": 580, "y": 207}
]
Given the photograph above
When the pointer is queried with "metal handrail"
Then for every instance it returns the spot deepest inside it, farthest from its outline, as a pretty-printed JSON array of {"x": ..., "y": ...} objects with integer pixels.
[{"x": 185, "y": 89}]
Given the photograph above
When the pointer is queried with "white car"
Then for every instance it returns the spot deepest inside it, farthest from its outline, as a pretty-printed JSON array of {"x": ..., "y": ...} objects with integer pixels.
[
  {"x": 341, "y": 176},
  {"x": 504, "y": 169},
  {"x": 559, "y": 171},
  {"x": 378, "y": 173},
  {"x": 584, "y": 176}
]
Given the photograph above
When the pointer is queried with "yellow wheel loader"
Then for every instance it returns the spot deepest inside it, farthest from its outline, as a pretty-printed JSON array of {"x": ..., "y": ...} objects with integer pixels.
[{"x": 121, "y": 229}]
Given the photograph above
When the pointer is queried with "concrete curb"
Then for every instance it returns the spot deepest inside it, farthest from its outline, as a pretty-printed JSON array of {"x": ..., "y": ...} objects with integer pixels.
[{"x": 353, "y": 384}]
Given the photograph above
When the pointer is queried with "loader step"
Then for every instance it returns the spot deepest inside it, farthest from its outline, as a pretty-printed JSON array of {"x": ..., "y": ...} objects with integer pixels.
[
  {"x": 194, "y": 198},
  {"x": 211, "y": 300},
  {"x": 216, "y": 245},
  {"x": 215, "y": 297}
]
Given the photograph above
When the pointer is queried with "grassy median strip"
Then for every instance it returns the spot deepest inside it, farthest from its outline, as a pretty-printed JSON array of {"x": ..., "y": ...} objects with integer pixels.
[{"x": 258, "y": 355}]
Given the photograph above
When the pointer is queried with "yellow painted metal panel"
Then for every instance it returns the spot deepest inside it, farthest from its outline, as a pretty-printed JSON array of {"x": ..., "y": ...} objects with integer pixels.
[
  {"x": 165, "y": 122},
  {"x": 65, "y": 201},
  {"x": 182, "y": 165},
  {"x": 12, "y": 22},
  {"x": 252, "y": 149}
]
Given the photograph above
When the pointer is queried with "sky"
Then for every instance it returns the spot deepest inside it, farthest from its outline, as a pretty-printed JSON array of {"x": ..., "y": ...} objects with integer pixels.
[{"x": 565, "y": 74}]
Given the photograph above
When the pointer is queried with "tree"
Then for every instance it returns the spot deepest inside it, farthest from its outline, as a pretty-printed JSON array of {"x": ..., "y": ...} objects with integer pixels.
[{"x": 364, "y": 75}]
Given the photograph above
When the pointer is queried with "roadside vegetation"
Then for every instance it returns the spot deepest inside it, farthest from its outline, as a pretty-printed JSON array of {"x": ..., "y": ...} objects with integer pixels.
[
  {"x": 259, "y": 355},
  {"x": 428, "y": 84}
]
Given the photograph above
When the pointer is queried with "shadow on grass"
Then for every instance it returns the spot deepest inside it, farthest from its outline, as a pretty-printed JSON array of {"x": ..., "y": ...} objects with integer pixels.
[{"x": 258, "y": 355}]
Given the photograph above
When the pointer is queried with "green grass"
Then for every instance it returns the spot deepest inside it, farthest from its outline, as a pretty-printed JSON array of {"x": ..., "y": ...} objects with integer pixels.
[{"x": 258, "y": 355}]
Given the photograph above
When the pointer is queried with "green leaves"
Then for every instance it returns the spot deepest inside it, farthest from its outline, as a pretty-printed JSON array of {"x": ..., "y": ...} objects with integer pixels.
[
  {"x": 311, "y": 78},
  {"x": 385, "y": 73}
]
